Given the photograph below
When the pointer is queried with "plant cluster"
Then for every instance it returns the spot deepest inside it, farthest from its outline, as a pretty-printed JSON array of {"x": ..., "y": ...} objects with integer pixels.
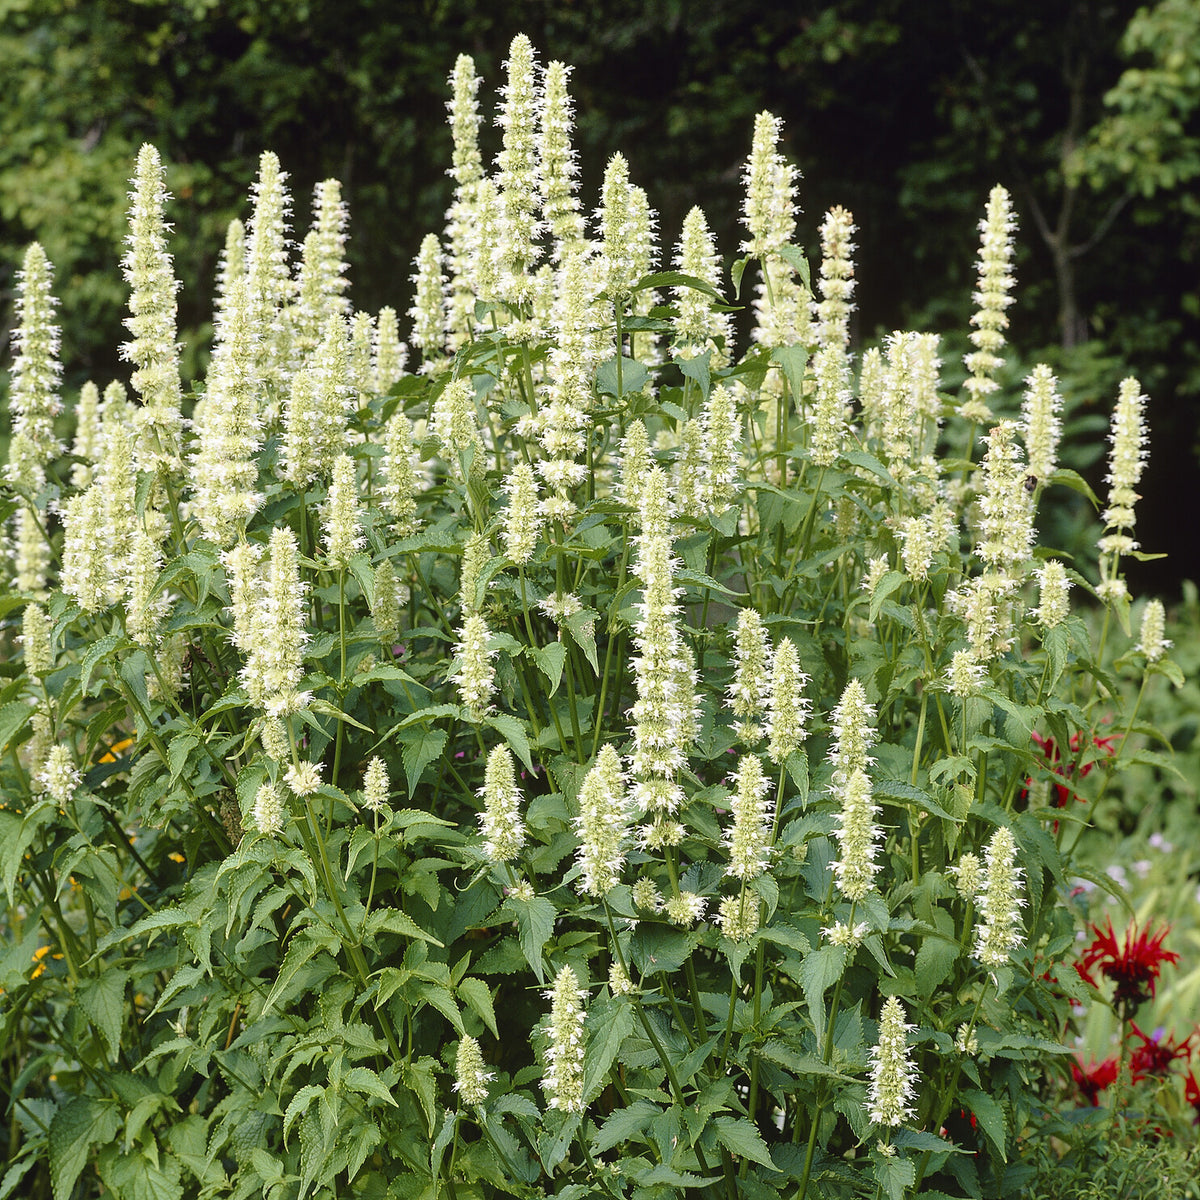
[{"x": 566, "y": 753}]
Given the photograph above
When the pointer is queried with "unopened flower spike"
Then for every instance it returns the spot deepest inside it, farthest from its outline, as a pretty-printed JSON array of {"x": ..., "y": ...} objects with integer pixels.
[
  {"x": 893, "y": 1075},
  {"x": 470, "y": 1076},
  {"x": 33, "y": 398},
  {"x": 603, "y": 825},
  {"x": 428, "y": 311},
  {"x": 993, "y": 299},
  {"x": 1041, "y": 410},
  {"x": 562, "y": 1080},
  {"x": 1152, "y": 641}
]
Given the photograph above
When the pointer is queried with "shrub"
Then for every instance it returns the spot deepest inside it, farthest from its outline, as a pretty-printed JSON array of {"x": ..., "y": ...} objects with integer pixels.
[{"x": 600, "y": 760}]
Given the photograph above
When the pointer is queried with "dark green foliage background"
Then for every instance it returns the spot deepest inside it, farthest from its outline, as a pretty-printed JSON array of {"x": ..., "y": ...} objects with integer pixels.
[{"x": 905, "y": 113}]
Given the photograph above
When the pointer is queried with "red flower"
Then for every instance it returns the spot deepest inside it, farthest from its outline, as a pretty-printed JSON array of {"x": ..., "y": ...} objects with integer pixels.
[
  {"x": 1191, "y": 1093},
  {"x": 1069, "y": 770},
  {"x": 1133, "y": 965},
  {"x": 1093, "y": 1078},
  {"x": 1156, "y": 1054}
]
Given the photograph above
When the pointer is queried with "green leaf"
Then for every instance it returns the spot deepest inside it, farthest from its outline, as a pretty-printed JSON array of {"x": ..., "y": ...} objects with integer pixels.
[
  {"x": 419, "y": 746},
  {"x": 633, "y": 377},
  {"x": 147, "y": 1176},
  {"x": 894, "y": 1174},
  {"x": 549, "y": 659},
  {"x": 820, "y": 969},
  {"x": 13, "y": 718},
  {"x": 936, "y": 957},
  {"x": 299, "y": 1106},
  {"x": 364, "y": 1080},
  {"x": 625, "y": 1125},
  {"x": 78, "y": 1126},
  {"x": 608, "y": 1024},
  {"x": 662, "y": 279},
  {"x": 793, "y": 360},
  {"x": 97, "y": 652},
  {"x": 535, "y": 924},
  {"x": 795, "y": 258},
  {"x": 478, "y": 996},
  {"x": 991, "y": 1119},
  {"x": 741, "y": 1137},
  {"x": 582, "y": 628},
  {"x": 1075, "y": 482},
  {"x": 513, "y": 732},
  {"x": 898, "y": 789},
  {"x": 103, "y": 999},
  {"x": 392, "y": 920},
  {"x": 698, "y": 369}
]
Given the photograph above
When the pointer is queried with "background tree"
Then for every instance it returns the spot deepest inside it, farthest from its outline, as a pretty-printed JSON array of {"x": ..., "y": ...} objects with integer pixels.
[{"x": 906, "y": 114}]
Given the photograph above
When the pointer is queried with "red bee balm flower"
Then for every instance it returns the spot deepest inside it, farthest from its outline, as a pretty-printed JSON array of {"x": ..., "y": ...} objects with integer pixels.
[
  {"x": 1133, "y": 965},
  {"x": 1092, "y": 1078},
  {"x": 1067, "y": 768},
  {"x": 1156, "y": 1053}
]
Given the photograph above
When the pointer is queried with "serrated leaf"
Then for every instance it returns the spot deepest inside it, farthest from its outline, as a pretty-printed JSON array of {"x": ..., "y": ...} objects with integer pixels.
[
  {"x": 898, "y": 789},
  {"x": 549, "y": 659},
  {"x": 741, "y": 1137},
  {"x": 661, "y": 279},
  {"x": 103, "y": 1000},
  {"x": 990, "y": 1116},
  {"x": 513, "y": 732},
  {"x": 820, "y": 969},
  {"x": 478, "y": 996},
  {"x": 364, "y": 1080},
  {"x": 299, "y": 1106},
  {"x": 608, "y": 1024},
  {"x": 625, "y": 1125},
  {"x": 419, "y": 746},
  {"x": 13, "y": 718},
  {"x": 96, "y": 653},
  {"x": 935, "y": 960},
  {"x": 894, "y": 1174},
  {"x": 582, "y": 628},
  {"x": 535, "y": 924},
  {"x": 78, "y": 1126}
]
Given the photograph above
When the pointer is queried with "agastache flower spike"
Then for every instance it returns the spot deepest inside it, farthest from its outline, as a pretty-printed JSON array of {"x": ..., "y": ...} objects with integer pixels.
[
  {"x": 992, "y": 297},
  {"x": 722, "y": 448},
  {"x": 697, "y": 326},
  {"x": 35, "y": 640},
  {"x": 33, "y": 399},
  {"x": 787, "y": 706},
  {"x": 470, "y": 1078},
  {"x": 87, "y": 442},
  {"x": 1005, "y": 532},
  {"x": 563, "y": 1078},
  {"x": 500, "y": 821},
  {"x": 476, "y": 676},
  {"x": 769, "y": 205},
  {"x": 1127, "y": 461},
  {"x": 1042, "y": 424},
  {"x": 1053, "y": 589},
  {"x": 748, "y": 839},
  {"x": 388, "y": 351},
  {"x": 399, "y": 490},
  {"x": 999, "y": 931},
  {"x": 603, "y": 825},
  {"x": 557, "y": 176},
  {"x": 462, "y": 219},
  {"x": 516, "y": 171},
  {"x": 376, "y": 786},
  {"x": 836, "y": 284},
  {"x": 152, "y": 348},
  {"x": 269, "y": 276},
  {"x": 342, "y": 518},
  {"x": 1152, "y": 642},
  {"x": 268, "y": 810},
  {"x": 615, "y": 229},
  {"x": 853, "y": 734},
  {"x": 522, "y": 524},
  {"x": 830, "y": 404},
  {"x": 858, "y": 837},
  {"x": 428, "y": 311},
  {"x": 889, "y": 1098}
]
